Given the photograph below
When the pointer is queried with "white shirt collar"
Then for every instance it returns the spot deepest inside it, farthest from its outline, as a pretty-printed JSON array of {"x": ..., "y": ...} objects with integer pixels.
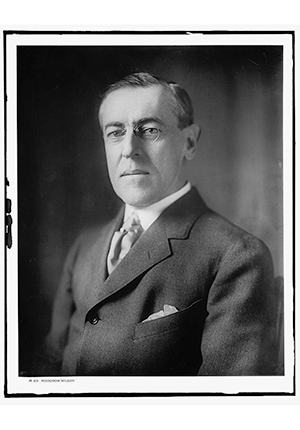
[{"x": 149, "y": 214}]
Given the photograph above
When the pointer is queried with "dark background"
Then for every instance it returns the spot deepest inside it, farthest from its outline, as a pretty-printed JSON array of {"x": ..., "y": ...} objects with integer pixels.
[{"x": 62, "y": 178}]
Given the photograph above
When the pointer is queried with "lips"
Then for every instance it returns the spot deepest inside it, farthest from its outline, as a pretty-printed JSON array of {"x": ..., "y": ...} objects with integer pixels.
[{"x": 134, "y": 172}]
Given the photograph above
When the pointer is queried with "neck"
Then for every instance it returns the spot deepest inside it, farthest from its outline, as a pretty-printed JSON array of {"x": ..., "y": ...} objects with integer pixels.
[{"x": 150, "y": 213}]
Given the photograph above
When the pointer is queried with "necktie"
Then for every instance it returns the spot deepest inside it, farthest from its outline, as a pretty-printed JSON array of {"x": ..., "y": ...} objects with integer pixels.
[{"x": 123, "y": 240}]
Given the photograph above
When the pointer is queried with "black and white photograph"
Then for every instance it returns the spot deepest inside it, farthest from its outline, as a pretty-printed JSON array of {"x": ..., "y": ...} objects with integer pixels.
[{"x": 149, "y": 215}]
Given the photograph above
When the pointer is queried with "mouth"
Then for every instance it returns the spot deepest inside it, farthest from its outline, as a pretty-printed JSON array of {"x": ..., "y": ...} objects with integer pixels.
[{"x": 134, "y": 172}]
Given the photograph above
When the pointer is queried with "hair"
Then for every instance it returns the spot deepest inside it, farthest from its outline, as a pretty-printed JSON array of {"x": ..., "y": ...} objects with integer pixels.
[{"x": 181, "y": 104}]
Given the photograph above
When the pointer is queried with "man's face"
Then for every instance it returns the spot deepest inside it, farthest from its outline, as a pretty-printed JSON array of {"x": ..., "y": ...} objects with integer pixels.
[{"x": 144, "y": 147}]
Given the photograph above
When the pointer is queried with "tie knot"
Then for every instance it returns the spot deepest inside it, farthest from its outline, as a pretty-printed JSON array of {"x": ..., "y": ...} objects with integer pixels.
[{"x": 132, "y": 223}]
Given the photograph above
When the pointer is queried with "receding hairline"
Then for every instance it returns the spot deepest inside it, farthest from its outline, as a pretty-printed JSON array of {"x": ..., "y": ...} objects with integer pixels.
[
  {"x": 177, "y": 97},
  {"x": 163, "y": 86}
]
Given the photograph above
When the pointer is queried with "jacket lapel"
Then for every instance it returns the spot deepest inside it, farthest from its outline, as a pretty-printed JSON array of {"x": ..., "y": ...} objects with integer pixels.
[{"x": 152, "y": 247}]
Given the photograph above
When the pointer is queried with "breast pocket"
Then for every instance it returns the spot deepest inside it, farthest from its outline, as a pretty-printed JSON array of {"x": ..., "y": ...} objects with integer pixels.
[
  {"x": 170, "y": 345},
  {"x": 176, "y": 321}
]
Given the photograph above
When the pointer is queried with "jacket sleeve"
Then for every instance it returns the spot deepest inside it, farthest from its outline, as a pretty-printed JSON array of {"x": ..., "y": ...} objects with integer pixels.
[
  {"x": 48, "y": 358},
  {"x": 238, "y": 335}
]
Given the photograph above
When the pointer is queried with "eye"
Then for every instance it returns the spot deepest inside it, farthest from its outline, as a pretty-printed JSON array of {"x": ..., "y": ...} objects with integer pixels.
[
  {"x": 116, "y": 134},
  {"x": 150, "y": 133}
]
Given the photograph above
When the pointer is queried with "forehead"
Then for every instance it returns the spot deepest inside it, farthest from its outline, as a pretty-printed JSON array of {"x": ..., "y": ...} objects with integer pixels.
[{"x": 131, "y": 104}]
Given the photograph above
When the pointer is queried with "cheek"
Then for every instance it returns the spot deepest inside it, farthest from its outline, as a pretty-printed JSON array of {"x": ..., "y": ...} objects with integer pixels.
[
  {"x": 168, "y": 161},
  {"x": 111, "y": 159}
]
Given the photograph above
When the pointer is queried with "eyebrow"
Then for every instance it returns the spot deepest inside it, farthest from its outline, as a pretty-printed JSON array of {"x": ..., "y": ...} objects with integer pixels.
[
  {"x": 113, "y": 124},
  {"x": 149, "y": 119},
  {"x": 140, "y": 122}
]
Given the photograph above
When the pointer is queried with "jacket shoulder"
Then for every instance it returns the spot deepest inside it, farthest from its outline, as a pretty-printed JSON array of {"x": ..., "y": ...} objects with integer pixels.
[
  {"x": 224, "y": 236},
  {"x": 89, "y": 235},
  {"x": 86, "y": 240}
]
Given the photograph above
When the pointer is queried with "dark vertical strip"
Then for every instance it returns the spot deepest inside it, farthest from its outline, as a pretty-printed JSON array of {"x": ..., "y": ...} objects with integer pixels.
[{"x": 5, "y": 194}]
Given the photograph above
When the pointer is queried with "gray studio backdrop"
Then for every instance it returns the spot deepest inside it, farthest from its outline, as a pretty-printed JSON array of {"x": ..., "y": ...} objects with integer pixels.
[{"x": 62, "y": 177}]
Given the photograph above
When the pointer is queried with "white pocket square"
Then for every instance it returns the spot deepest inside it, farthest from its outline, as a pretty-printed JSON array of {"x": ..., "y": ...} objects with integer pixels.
[{"x": 167, "y": 310}]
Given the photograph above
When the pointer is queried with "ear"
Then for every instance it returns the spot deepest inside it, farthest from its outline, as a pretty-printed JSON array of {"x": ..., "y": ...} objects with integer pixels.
[{"x": 192, "y": 136}]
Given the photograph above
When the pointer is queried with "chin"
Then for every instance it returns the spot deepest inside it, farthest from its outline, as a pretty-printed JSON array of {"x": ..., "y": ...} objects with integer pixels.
[{"x": 137, "y": 199}]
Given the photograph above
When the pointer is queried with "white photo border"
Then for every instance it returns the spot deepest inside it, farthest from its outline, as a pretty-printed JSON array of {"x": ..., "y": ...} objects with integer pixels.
[{"x": 142, "y": 386}]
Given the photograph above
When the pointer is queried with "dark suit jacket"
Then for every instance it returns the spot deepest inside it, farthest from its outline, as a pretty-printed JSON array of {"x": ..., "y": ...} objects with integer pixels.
[{"x": 218, "y": 276}]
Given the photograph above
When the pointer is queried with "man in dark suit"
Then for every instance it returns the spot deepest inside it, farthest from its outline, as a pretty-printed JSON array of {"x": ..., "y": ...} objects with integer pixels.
[{"x": 168, "y": 287}]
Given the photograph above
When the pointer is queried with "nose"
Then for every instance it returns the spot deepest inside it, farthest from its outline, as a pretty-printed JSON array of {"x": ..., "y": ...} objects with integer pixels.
[{"x": 130, "y": 146}]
